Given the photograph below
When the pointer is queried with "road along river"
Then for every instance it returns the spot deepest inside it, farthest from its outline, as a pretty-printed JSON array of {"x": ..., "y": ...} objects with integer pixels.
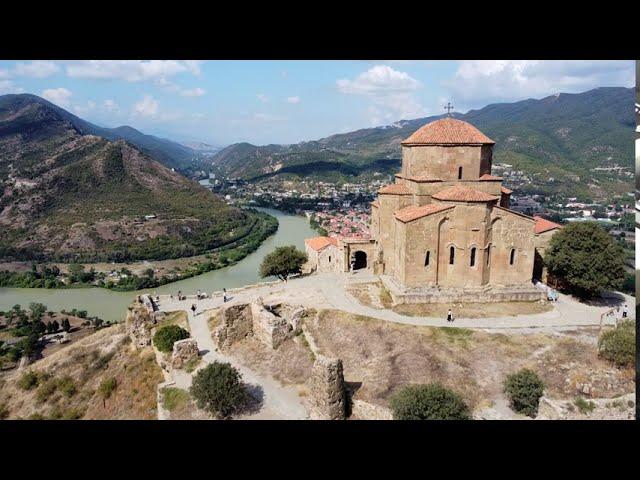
[{"x": 111, "y": 306}]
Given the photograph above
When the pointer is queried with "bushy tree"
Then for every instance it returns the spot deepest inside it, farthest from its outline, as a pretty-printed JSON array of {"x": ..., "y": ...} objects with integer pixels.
[
  {"x": 586, "y": 258},
  {"x": 283, "y": 262},
  {"x": 66, "y": 326},
  {"x": 428, "y": 402},
  {"x": 524, "y": 389},
  {"x": 619, "y": 345},
  {"x": 218, "y": 389},
  {"x": 37, "y": 310},
  {"x": 166, "y": 336}
]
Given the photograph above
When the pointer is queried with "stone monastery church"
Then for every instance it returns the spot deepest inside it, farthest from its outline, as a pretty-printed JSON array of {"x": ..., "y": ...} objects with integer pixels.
[{"x": 444, "y": 231}]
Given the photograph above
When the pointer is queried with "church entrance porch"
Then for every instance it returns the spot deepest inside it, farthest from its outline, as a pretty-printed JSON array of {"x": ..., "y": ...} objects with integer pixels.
[{"x": 359, "y": 260}]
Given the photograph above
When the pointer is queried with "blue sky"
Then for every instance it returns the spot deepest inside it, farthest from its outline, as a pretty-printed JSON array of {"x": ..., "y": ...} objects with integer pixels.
[{"x": 261, "y": 102}]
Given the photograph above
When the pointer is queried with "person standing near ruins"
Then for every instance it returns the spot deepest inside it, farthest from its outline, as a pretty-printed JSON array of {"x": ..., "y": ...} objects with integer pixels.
[
  {"x": 625, "y": 311},
  {"x": 449, "y": 316},
  {"x": 193, "y": 308}
]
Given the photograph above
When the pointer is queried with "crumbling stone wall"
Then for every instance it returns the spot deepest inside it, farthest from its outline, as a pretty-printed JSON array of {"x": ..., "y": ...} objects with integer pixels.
[
  {"x": 183, "y": 352},
  {"x": 269, "y": 328},
  {"x": 236, "y": 324},
  {"x": 327, "y": 399},
  {"x": 140, "y": 323}
]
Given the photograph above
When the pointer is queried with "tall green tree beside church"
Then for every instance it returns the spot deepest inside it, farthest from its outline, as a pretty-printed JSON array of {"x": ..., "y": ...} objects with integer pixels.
[
  {"x": 586, "y": 259},
  {"x": 283, "y": 262}
]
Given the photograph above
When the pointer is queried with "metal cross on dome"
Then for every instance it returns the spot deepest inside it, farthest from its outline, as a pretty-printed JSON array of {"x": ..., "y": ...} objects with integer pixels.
[{"x": 448, "y": 108}]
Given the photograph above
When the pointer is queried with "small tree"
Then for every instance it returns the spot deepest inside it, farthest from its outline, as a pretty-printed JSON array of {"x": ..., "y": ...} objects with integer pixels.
[
  {"x": 619, "y": 345},
  {"x": 428, "y": 402},
  {"x": 106, "y": 389},
  {"x": 66, "y": 326},
  {"x": 283, "y": 262},
  {"x": 166, "y": 336},
  {"x": 524, "y": 389},
  {"x": 37, "y": 310},
  {"x": 586, "y": 258},
  {"x": 218, "y": 389}
]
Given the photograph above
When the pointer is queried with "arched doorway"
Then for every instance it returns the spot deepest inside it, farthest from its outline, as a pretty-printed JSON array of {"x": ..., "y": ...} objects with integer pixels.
[{"x": 360, "y": 260}]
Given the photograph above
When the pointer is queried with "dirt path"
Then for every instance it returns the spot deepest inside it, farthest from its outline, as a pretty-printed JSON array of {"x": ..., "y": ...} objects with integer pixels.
[{"x": 278, "y": 402}]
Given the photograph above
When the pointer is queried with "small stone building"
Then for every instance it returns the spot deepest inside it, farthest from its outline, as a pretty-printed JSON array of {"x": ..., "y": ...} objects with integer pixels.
[{"x": 445, "y": 223}]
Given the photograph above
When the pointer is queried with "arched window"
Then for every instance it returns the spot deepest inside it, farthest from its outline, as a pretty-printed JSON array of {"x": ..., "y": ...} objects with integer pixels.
[
  {"x": 329, "y": 258},
  {"x": 488, "y": 255},
  {"x": 452, "y": 255},
  {"x": 459, "y": 173},
  {"x": 472, "y": 262},
  {"x": 512, "y": 257},
  {"x": 426, "y": 259}
]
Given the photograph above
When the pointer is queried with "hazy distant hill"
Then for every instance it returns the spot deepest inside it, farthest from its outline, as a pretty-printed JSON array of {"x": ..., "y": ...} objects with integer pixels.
[
  {"x": 65, "y": 194},
  {"x": 560, "y": 135},
  {"x": 165, "y": 151}
]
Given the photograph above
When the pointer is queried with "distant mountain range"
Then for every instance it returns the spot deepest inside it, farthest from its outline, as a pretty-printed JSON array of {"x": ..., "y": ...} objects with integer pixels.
[
  {"x": 171, "y": 154},
  {"x": 68, "y": 192},
  {"x": 559, "y": 136}
]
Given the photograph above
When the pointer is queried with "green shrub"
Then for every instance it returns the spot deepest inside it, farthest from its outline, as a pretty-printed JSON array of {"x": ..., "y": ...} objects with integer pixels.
[
  {"x": 218, "y": 389},
  {"x": 107, "y": 387},
  {"x": 173, "y": 398},
  {"x": 524, "y": 389},
  {"x": 46, "y": 390},
  {"x": 619, "y": 345},
  {"x": 29, "y": 380},
  {"x": 67, "y": 386},
  {"x": 428, "y": 402},
  {"x": 166, "y": 336},
  {"x": 584, "y": 406}
]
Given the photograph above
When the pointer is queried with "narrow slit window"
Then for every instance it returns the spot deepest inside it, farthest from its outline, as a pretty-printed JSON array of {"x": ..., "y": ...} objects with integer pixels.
[
  {"x": 488, "y": 255},
  {"x": 512, "y": 257},
  {"x": 329, "y": 258},
  {"x": 459, "y": 173},
  {"x": 472, "y": 262},
  {"x": 452, "y": 255},
  {"x": 426, "y": 259}
]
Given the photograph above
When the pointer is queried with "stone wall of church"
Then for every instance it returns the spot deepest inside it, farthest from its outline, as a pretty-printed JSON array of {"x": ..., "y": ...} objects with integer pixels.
[
  {"x": 389, "y": 204},
  {"x": 375, "y": 222},
  {"x": 511, "y": 232},
  {"x": 443, "y": 162}
]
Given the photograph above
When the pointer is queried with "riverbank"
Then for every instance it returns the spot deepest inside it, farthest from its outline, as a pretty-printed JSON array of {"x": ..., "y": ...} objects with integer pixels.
[{"x": 111, "y": 305}]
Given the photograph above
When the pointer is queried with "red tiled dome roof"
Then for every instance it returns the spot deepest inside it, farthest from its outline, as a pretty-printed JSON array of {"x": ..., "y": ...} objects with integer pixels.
[
  {"x": 318, "y": 243},
  {"x": 458, "y": 193},
  {"x": 448, "y": 131},
  {"x": 489, "y": 178}
]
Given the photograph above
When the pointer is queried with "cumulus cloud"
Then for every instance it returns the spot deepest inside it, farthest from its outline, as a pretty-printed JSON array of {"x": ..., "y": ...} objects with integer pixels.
[
  {"x": 110, "y": 105},
  {"x": 392, "y": 93},
  {"x": 37, "y": 69},
  {"x": 262, "y": 97},
  {"x": 59, "y": 96},
  {"x": 131, "y": 70},
  {"x": 478, "y": 82},
  {"x": 293, "y": 100},
  {"x": 147, "y": 107}
]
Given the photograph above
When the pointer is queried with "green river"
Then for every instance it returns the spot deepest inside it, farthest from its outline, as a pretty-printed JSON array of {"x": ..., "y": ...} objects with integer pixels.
[{"x": 109, "y": 305}]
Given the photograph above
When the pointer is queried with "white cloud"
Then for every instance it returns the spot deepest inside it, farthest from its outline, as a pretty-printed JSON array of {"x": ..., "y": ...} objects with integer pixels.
[
  {"x": 262, "y": 97},
  {"x": 131, "y": 70},
  {"x": 194, "y": 92},
  {"x": 393, "y": 93},
  {"x": 4, "y": 73},
  {"x": 293, "y": 100},
  {"x": 267, "y": 117},
  {"x": 59, "y": 96},
  {"x": 7, "y": 86},
  {"x": 37, "y": 69},
  {"x": 147, "y": 107},
  {"x": 478, "y": 82},
  {"x": 110, "y": 105}
]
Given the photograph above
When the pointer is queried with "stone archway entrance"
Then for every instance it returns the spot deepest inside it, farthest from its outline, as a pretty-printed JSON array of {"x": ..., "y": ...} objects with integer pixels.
[{"x": 360, "y": 260}]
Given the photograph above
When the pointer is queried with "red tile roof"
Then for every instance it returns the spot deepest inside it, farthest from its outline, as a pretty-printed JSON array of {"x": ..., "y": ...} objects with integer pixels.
[
  {"x": 487, "y": 177},
  {"x": 413, "y": 212},
  {"x": 458, "y": 193},
  {"x": 544, "y": 225},
  {"x": 506, "y": 191},
  {"x": 318, "y": 243},
  {"x": 395, "y": 189},
  {"x": 448, "y": 131}
]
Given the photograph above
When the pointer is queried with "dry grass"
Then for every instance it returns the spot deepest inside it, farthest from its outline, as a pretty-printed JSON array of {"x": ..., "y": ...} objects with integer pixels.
[
  {"x": 380, "y": 357},
  {"x": 75, "y": 374},
  {"x": 473, "y": 310},
  {"x": 179, "y": 318}
]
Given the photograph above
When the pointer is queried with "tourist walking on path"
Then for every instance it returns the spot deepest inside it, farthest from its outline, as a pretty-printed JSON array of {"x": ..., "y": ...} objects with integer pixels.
[
  {"x": 193, "y": 308},
  {"x": 224, "y": 295},
  {"x": 449, "y": 316},
  {"x": 625, "y": 311}
]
